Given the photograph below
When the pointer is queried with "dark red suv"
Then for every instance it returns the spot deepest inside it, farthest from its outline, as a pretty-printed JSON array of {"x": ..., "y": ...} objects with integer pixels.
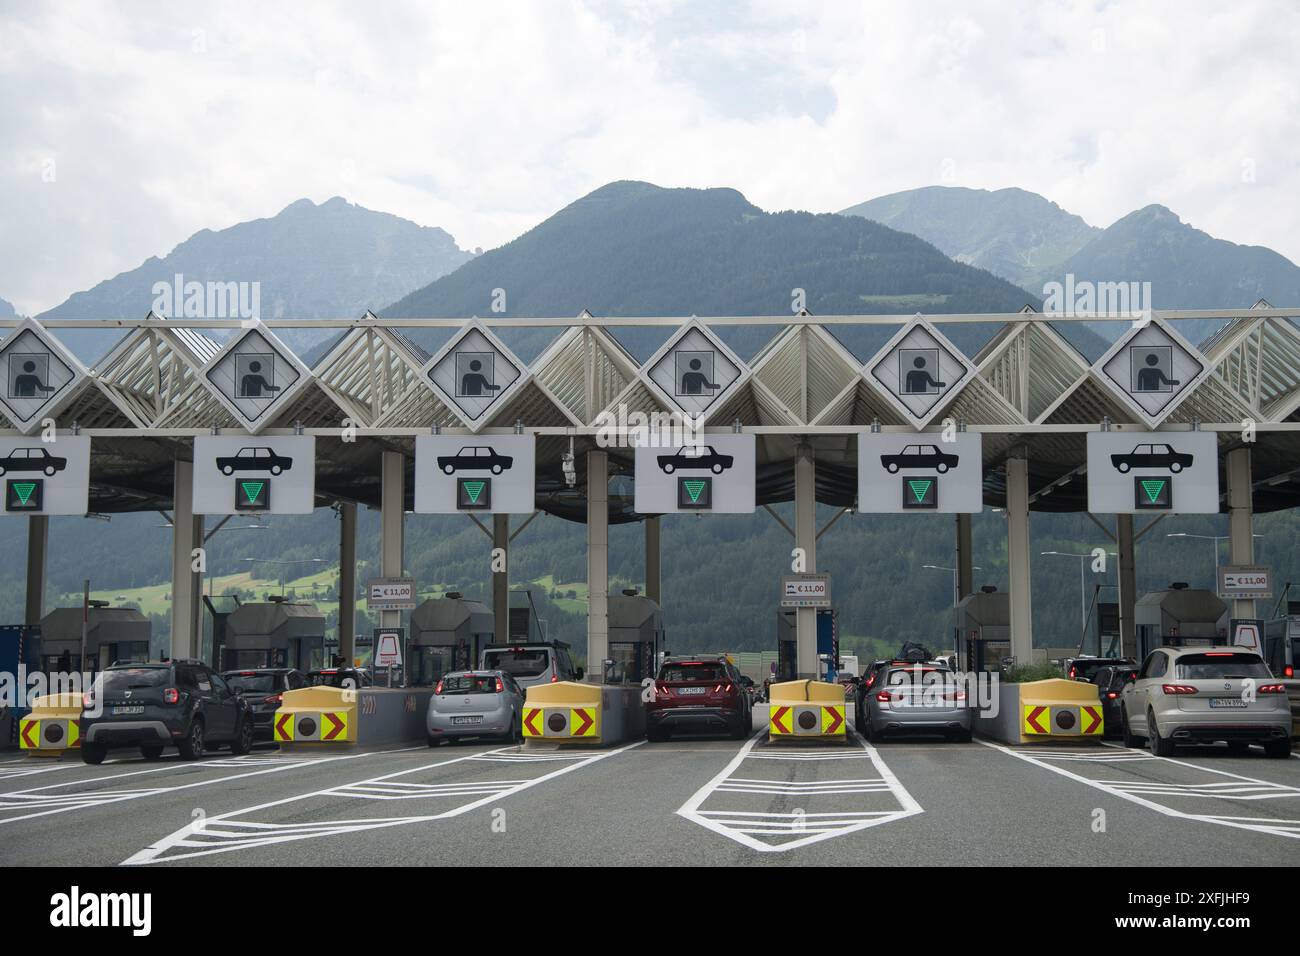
[{"x": 698, "y": 694}]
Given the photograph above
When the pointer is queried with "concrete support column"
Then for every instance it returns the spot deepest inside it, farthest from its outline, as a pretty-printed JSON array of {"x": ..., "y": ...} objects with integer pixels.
[
  {"x": 1127, "y": 586},
  {"x": 392, "y": 502},
  {"x": 1241, "y": 522},
  {"x": 501, "y": 579},
  {"x": 1022, "y": 627},
  {"x": 38, "y": 540},
  {"x": 805, "y": 538},
  {"x": 347, "y": 580},
  {"x": 965, "y": 561},
  {"x": 187, "y": 534},
  {"x": 653, "y": 582},
  {"x": 597, "y": 564}
]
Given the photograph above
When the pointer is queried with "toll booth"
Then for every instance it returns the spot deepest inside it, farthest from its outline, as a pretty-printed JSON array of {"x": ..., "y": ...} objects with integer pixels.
[
  {"x": 1179, "y": 616},
  {"x": 276, "y": 633},
  {"x": 112, "y": 634},
  {"x": 982, "y": 624},
  {"x": 220, "y": 607},
  {"x": 636, "y": 633},
  {"x": 447, "y": 634},
  {"x": 1282, "y": 646},
  {"x": 20, "y": 647},
  {"x": 787, "y": 644}
]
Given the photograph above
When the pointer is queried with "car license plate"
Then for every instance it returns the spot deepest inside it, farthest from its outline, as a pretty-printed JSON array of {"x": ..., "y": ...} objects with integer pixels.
[
  {"x": 467, "y": 720},
  {"x": 1236, "y": 702},
  {"x": 690, "y": 690},
  {"x": 129, "y": 709}
]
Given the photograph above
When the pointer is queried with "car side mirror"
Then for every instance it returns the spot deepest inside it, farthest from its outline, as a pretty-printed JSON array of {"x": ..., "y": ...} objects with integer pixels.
[{"x": 578, "y": 674}]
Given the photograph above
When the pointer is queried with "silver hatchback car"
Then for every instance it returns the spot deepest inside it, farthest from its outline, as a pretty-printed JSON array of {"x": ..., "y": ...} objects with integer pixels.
[
  {"x": 913, "y": 698},
  {"x": 475, "y": 704},
  {"x": 1203, "y": 695}
]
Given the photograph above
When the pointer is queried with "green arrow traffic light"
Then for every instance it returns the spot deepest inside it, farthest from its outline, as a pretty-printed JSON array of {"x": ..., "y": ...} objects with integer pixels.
[
  {"x": 24, "y": 489},
  {"x": 252, "y": 490},
  {"x": 920, "y": 488},
  {"x": 474, "y": 489},
  {"x": 1154, "y": 488},
  {"x": 694, "y": 488}
]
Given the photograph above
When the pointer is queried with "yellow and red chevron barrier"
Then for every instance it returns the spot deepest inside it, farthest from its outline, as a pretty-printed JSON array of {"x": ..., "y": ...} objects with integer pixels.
[
  {"x": 807, "y": 709},
  {"x": 563, "y": 711},
  {"x": 52, "y": 727},
  {"x": 1059, "y": 708},
  {"x": 317, "y": 715}
]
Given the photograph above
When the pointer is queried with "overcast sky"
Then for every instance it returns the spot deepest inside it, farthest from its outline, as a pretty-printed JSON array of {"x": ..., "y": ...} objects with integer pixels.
[{"x": 127, "y": 127}]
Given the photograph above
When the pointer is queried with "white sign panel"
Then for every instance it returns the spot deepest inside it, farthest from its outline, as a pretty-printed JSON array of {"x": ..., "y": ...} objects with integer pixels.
[
  {"x": 906, "y": 473},
  {"x": 37, "y": 376},
  {"x": 714, "y": 473},
  {"x": 1244, "y": 583},
  {"x": 475, "y": 374},
  {"x": 236, "y": 474},
  {"x": 693, "y": 371},
  {"x": 806, "y": 590},
  {"x": 1151, "y": 370},
  {"x": 45, "y": 478},
  {"x": 493, "y": 474},
  {"x": 919, "y": 371},
  {"x": 1133, "y": 472},
  {"x": 388, "y": 649},
  {"x": 254, "y": 376},
  {"x": 390, "y": 594}
]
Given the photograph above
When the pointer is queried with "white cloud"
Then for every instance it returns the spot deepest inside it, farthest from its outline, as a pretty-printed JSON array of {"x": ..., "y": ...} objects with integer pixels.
[{"x": 484, "y": 118}]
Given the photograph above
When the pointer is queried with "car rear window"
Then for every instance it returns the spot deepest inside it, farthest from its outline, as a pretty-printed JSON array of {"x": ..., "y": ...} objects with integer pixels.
[
  {"x": 469, "y": 684},
  {"x": 923, "y": 675},
  {"x": 136, "y": 677},
  {"x": 519, "y": 663},
  {"x": 1226, "y": 664},
  {"x": 703, "y": 671},
  {"x": 253, "y": 683}
]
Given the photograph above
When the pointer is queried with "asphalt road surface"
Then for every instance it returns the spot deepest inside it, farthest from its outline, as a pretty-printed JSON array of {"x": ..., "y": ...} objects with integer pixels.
[{"x": 684, "y": 802}]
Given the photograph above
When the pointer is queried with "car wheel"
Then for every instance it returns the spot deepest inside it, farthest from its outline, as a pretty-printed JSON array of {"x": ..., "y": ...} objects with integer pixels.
[
  {"x": 93, "y": 753},
  {"x": 448, "y": 469},
  {"x": 50, "y": 470},
  {"x": 151, "y": 751},
  {"x": 1160, "y": 746},
  {"x": 432, "y": 740},
  {"x": 654, "y": 735},
  {"x": 1278, "y": 749},
  {"x": 941, "y": 468},
  {"x": 716, "y": 469},
  {"x": 669, "y": 468},
  {"x": 194, "y": 745},
  {"x": 227, "y": 469},
  {"x": 516, "y": 735},
  {"x": 1129, "y": 738},
  {"x": 276, "y": 469},
  {"x": 1175, "y": 467},
  {"x": 892, "y": 468},
  {"x": 496, "y": 469},
  {"x": 244, "y": 742}
]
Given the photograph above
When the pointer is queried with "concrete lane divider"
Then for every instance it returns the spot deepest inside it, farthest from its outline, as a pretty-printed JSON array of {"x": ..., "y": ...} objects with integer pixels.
[
  {"x": 806, "y": 709},
  {"x": 578, "y": 713},
  {"x": 52, "y": 727},
  {"x": 1053, "y": 711},
  {"x": 318, "y": 717}
]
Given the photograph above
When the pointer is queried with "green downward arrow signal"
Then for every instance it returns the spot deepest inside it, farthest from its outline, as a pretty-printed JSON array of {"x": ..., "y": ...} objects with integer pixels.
[
  {"x": 474, "y": 489},
  {"x": 694, "y": 488},
  {"x": 24, "y": 489},
  {"x": 1154, "y": 487},
  {"x": 252, "y": 490},
  {"x": 920, "y": 488}
]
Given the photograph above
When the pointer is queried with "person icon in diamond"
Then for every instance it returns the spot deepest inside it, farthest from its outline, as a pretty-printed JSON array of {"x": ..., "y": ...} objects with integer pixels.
[
  {"x": 695, "y": 382},
  {"x": 27, "y": 383},
  {"x": 919, "y": 381},
  {"x": 1152, "y": 379},
  {"x": 254, "y": 384},
  {"x": 474, "y": 382}
]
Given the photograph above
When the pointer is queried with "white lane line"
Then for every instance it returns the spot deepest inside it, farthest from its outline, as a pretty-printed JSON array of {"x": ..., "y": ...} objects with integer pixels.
[
  {"x": 745, "y": 827},
  {"x": 10, "y": 773},
  {"x": 1134, "y": 794},
  {"x": 225, "y": 833}
]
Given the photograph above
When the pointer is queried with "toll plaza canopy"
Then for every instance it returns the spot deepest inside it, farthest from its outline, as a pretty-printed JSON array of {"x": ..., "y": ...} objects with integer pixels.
[{"x": 1028, "y": 391}]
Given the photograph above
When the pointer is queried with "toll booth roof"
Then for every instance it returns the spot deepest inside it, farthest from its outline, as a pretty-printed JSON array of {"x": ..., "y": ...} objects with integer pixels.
[
  {"x": 989, "y": 610},
  {"x": 106, "y": 624},
  {"x": 448, "y": 614},
  {"x": 628, "y": 611},
  {"x": 281, "y": 619},
  {"x": 1185, "y": 604}
]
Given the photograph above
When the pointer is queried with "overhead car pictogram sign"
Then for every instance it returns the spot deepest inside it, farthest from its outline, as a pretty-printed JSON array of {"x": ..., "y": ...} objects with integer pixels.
[{"x": 50, "y": 478}]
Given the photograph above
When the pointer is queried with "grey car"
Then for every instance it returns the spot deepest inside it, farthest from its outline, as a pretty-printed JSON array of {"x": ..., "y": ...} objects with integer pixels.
[
  {"x": 1187, "y": 695},
  {"x": 479, "y": 703},
  {"x": 920, "y": 698}
]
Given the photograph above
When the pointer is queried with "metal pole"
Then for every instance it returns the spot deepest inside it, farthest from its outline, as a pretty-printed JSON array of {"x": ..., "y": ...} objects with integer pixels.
[
  {"x": 38, "y": 539},
  {"x": 597, "y": 564},
  {"x": 1127, "y": 585},
  {"x": 1241, "y": 525},
  {"x": 347, "y": 581},
  {"x": 392, "y": 502},
  {"x": 1022, "y": 621},
  {"x": 85, "y": 623},
  {"x": 653, "y": 579},
  {"x": 805, "y": 539},
  {"x": 501, "y": 579}
]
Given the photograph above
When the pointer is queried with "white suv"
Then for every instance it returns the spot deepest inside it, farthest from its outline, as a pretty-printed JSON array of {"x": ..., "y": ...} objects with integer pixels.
[{"x": 1206, "y": 694}]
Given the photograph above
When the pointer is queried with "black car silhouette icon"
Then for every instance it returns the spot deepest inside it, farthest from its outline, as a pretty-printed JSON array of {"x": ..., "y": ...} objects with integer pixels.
[
  {"x": 919, "y": 456},
  {"x": 1152, "y": 456},
  {"x": 32, "y": 459},
  {"x": 475, "y": 458},
  {"x": 696, "y": 458},
  {"x": 255, "y": 458}
]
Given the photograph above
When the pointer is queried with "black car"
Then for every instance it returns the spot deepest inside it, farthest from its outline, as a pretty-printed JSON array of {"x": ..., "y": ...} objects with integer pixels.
[
  {"x": 264, "y": 689},
  {"x": 1110, "y": 681},
  {"x": 696, "y": 458},
  {"x": 475, "y": 458},
  {"x": 919, "y": 456},
  {"x": 179, "y": 703},
  {"x": 257, "y": 458},
  {"x": 1152, "y": 456},
  {"x": 32, "y": 459},
  {"x": 1083, "y": 668},
  {"x": 338, "y": 677}
]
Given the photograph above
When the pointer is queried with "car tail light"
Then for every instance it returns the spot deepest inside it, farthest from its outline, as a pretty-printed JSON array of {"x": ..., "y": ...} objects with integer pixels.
[
  {"x": 662, "y": 692},
  {"x": 1178, "y": 689},
  {"x": 884, "y": 696},
  {"x": 273, "y": 699},
  {"x": 954, "y": 695},
  {"x": 501, "y": 687},
  {"x": 555, "y": 678},
  {"x": 171, "y": 696},
  {"x": 438, "y": 689},
  {"x": 1270, "y": 689},
  {"x": 1111, "y": 695},
  {"x": 1288, "y": 671},
  {"x": 1073, "y": 673},
  {"x": 88, "y": 700}
]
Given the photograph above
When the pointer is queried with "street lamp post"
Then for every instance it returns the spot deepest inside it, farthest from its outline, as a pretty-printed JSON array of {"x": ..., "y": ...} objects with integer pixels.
[
  {"x": 1216, "y": 538},
  {"x": 1083, "y": 587},
  {"x": 956, "y": 597},
  {"x": 285, "y": 564}
]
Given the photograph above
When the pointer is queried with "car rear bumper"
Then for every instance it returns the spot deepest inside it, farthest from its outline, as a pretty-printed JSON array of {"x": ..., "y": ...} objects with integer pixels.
[
  {"x": 124, "y": 733},
  {"x": 493, "y": 723},
  {"x": 1181, "y": 725},
  {"x": 921, "y": 720},
  {"x": 699, "y": 718}
]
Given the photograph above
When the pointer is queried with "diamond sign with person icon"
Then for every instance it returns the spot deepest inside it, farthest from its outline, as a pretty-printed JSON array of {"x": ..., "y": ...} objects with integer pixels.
[
  {"x": 1151, "y": 369},
  {"x": 37, "y": 376},
  {"x": 474, "y": 374}
]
